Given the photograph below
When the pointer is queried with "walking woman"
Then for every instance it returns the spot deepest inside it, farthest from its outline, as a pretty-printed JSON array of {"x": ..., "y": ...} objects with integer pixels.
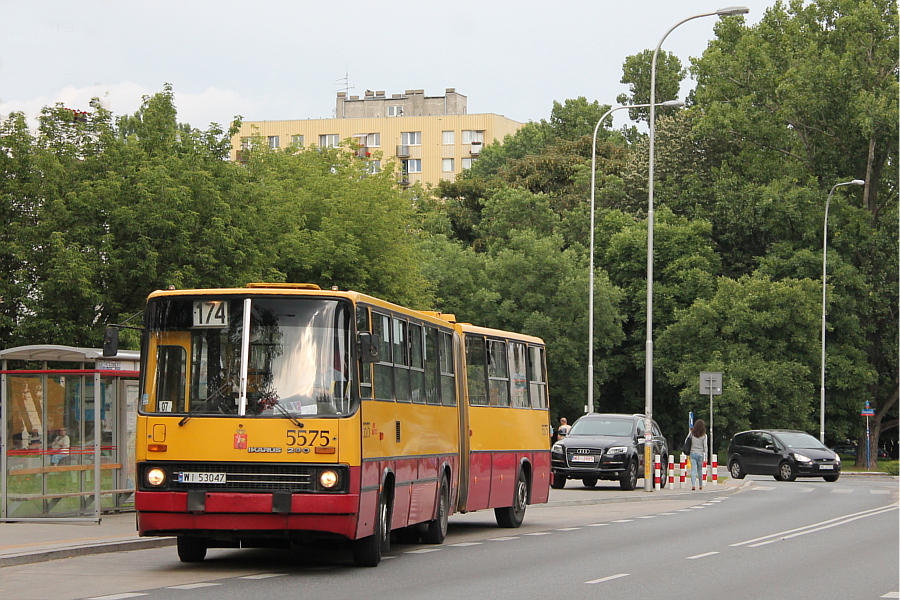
[{"x": 698, "y": 452}]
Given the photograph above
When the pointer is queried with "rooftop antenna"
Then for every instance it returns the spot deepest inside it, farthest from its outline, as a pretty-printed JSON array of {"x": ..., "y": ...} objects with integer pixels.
[{"x": 344, "y": 86}]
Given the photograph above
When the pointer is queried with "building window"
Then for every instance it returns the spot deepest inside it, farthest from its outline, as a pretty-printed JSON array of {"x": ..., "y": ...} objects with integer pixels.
[
  {"x": 373, "y": 140},
  {"x": 395, "y": 111},
  {"x": 331, "y": 140},
  {"x": 413, "y": 165},
  {"x": 447, "y": 165},
  {"x": 467, "y": 163},
  {"x": 448, "y": 137},
  {"x": 274, "y": 142},
  {"x": 246, "y": 142},
  {"x": 411, "y": 138},
  {"x": 470, "y": 137},
  {"x": 297, "y": 140},
  {"x": 373, "y": 166}
]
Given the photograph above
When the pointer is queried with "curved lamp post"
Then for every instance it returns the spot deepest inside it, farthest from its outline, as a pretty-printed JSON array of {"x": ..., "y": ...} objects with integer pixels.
[
  {"x": 824, "y": 266},
  {"x": 590, "y": 402},
  {"x": 648, "y": 367}
]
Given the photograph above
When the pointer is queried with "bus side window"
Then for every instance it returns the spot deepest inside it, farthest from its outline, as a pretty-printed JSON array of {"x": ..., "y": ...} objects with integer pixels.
[
  {"x": 416, "y": 364},
  {"x": 497, "y": 373},
  {"x": 536, "y": 377},
  {"x": 432, "y": 373},
  {"x": 384, "y": 371},
  {"x": 171, "y": 371},
  {"x": 401, "y": 360},
  {"x": 365, "y": 369},
  {"x": 518, "y": 375},
  {"x": 448, "y": 375},
  {"x": 476, "y": 371}
]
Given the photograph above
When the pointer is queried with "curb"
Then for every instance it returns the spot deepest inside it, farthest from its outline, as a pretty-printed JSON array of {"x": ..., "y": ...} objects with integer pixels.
[{"x": 24, "y": 558}]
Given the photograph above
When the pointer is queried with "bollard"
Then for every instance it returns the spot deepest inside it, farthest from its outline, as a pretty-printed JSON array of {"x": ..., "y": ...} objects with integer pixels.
[
  {"x": 671, "y": 472},
  {"x": 682, "y": 467},
  {"x": 656, "y": 466},
  {"x": 715, "y": 469},
  {"x": 704, "y": 473}
]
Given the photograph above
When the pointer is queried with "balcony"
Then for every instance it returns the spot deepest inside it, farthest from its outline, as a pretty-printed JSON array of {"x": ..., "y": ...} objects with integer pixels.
[{"x": 402, "y": 151}]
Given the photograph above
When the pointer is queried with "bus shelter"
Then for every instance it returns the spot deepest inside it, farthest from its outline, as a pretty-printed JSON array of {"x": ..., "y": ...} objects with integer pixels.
[{"x": 67, "y": 436}]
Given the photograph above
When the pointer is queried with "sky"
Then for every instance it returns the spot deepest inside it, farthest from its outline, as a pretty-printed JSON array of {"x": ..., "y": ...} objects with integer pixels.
[{"x": 286, "y": 60}]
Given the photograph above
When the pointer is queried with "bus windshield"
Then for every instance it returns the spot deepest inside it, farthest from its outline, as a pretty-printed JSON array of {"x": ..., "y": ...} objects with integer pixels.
[{"x": 293, "y": 361}]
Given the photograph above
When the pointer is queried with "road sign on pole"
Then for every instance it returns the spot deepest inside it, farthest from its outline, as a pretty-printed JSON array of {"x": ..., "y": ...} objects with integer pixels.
[{"x": 711, "y": 384}]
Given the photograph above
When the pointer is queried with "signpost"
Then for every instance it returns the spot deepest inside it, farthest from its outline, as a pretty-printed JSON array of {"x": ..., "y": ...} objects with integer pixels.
[
  {"x": 868, "y": 412},
  {"x": 710, "y": 383}
]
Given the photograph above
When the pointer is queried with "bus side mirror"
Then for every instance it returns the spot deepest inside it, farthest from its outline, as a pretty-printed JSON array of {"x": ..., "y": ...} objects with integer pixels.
[
  {"x": 368, "y": 347},
  {"x": 111, "y": 341}
]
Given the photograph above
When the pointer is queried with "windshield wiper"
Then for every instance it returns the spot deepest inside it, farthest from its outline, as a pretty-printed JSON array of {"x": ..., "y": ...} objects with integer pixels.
[
  {"x": 217, "y": 396},
  {"x": 287, "y": 414}
]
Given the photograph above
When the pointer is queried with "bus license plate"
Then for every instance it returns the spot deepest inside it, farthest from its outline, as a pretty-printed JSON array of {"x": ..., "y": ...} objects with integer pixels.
[{"x": 191, "y": 477}]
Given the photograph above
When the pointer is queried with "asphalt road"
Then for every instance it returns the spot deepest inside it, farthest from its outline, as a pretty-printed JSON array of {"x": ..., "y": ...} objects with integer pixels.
[{"x": 770, "y": 540}]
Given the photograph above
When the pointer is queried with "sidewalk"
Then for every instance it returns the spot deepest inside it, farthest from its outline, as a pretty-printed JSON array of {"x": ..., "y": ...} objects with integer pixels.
[{"x": 22, "y": 543}]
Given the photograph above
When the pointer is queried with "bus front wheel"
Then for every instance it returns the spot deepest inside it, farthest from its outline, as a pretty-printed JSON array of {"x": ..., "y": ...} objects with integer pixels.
[
  {"x": 367, "y": 551},
  {"x": 191, "y": 549}
]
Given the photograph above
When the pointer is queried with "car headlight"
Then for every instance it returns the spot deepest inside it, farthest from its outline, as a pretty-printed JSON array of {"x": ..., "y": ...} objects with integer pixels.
[
  {"x": 617, "y": 450},
  {"x": 329, "y": 479},
  {"x": 802, "y": 458},
  {"x": 837, "y": 459},
  {"x": 557, "y": 449},
  {"x": 156, "y": 477}
]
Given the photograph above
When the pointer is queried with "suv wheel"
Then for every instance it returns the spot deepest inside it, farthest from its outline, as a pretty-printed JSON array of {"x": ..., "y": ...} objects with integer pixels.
[
  {"x": 736, "y": 469},
  {"x": 629, "y": 478}
]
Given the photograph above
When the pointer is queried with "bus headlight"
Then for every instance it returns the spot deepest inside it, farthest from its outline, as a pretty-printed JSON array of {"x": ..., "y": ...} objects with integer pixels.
[
  {"x": 156, "y": 477},
  {"x": 329, "y": 479}
]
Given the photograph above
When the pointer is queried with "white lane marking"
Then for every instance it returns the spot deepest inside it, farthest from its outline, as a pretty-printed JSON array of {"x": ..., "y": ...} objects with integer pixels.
[
  {"x": 610, "y": 578},
  {"x": 423, "y": 551},
  {"x": 762, "y": 488},
  {"x": 892, "y": 595},
  {"x": 540, "y": 533},
  {"x": 598, "y": 525},
  {"x": 118, "y": 596},
  {"x": 464, "y": 544},
  {"x": 622, "y": 521},
  {"x": 842, "y": 491},
  {"x": 704, "y": 555},
  {"x": 192, "y": 586},
  {"x": 666, "y": 514},
  {"x": 568, "y": 528},
  {"x": 879, "y": 492},
  {"x": 263, "y": 575},
  {"x": 784, "y": 535},
  {"x": 684, "y": 510},
  {"x": 502, "y": 539},
  {"x": 806, "y": 490},
  {"x": 647, "y": 517}
]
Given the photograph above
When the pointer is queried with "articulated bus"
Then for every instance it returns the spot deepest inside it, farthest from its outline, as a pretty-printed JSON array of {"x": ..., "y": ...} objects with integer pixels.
[{"x": 280, "y": 415}]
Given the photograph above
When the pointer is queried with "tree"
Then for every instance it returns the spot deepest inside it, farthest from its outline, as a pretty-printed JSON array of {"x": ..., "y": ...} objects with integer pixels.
[
  {"x": 637, "y": 73},
  {"x": 811, "y": 94}
]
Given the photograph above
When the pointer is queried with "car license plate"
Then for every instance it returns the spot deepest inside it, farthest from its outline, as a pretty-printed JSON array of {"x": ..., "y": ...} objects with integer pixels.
[
  {"x": 582, "y": 459},
  {"x": 191, "y": 477},
  {"x": 826, "y": 467}
]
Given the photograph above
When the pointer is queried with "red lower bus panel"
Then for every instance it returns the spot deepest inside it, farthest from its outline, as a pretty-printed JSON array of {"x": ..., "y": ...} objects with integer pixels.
[{"x": 150, "y": 523}]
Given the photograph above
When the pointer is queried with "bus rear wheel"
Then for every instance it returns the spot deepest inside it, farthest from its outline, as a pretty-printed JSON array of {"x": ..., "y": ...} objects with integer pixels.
[
  {"x": 436, "y": 530},
  {"x": 511, "y": 517},
  {"x": 367, "y": 551},
  {"x": 191, "y": 549}
]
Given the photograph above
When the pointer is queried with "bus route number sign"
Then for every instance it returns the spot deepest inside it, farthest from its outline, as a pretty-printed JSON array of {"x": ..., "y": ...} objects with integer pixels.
[{"x": 210, "y": 314}]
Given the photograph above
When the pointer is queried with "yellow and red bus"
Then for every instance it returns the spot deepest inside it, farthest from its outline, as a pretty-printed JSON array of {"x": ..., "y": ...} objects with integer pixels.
[{"x": 281, "y": 414}]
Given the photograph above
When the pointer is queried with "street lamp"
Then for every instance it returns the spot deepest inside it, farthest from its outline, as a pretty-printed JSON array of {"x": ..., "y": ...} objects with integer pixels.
[
  {"x": 824, "y": 264},
  {"x": 648, "y": 367},
  {"x": 590, "y": 404}
]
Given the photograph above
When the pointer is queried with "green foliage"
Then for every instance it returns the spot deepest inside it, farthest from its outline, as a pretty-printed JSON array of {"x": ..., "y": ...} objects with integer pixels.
[{"x": 637, "y": 74}]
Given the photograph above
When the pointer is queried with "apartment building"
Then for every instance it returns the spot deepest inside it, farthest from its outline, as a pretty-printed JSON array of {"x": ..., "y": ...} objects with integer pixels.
[{"x": 430, "y": 137}]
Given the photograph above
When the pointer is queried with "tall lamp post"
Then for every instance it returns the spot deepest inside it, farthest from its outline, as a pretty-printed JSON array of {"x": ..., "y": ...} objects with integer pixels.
[
  {"x": 590, "y": 402},
  {"x": 648, "y": 367},
  {"x": 824, "y": 266}
]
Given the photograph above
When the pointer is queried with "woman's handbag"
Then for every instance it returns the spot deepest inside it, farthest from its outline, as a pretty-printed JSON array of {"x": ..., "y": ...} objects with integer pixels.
[{"x": 686, "y": 446}]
